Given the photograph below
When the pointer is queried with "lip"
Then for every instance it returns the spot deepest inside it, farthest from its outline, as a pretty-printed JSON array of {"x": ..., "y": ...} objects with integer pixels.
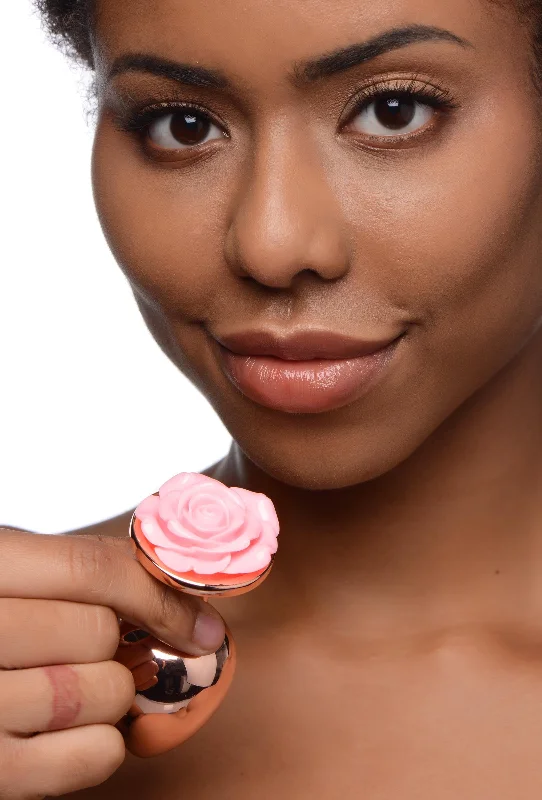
[
  {"x": 301, "y": 345},
  {"x": 310, "y": 372}
]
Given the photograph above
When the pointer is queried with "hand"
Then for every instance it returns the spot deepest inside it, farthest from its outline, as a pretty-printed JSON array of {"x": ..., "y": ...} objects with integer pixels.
[{"x": 61, "y": 692}]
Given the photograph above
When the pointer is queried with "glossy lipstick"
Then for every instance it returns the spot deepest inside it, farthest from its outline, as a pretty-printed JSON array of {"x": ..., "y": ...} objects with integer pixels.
[{"x": 310, "y": 372}]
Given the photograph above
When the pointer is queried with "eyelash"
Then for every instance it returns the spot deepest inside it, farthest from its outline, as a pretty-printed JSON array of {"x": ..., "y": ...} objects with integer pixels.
[
  {"x": 138, "y": 120},
  {"x": 428, "y": 95}
]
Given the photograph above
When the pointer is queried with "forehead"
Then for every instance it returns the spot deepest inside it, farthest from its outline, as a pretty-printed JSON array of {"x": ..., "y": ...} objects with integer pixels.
[{"x": 264, "y": 37}]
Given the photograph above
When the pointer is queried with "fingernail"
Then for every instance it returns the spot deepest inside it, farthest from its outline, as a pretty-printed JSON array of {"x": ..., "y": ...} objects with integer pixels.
[{"x": 209, "y": 632}]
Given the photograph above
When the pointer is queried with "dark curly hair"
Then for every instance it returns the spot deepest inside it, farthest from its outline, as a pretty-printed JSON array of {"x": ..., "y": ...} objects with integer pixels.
[{"x": 69, "y": 24}]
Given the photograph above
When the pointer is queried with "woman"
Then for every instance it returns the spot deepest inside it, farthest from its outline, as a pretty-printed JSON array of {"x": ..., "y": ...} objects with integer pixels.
[{"x": 290, "y": 188}]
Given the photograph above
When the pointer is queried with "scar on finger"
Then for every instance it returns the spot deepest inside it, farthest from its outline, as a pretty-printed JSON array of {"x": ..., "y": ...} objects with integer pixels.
[{"x": 66, "y": 696}]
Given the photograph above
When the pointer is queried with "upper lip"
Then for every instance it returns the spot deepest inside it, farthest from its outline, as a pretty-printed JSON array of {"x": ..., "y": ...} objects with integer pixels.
[{"x": 299, "y": 345}]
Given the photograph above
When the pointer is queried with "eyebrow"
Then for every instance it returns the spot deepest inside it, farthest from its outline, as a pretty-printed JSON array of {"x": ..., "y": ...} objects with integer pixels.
[{"x": 303, "y": 72}]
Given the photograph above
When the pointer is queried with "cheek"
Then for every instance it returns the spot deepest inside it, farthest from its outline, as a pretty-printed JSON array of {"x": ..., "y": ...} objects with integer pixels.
[
  {"x": 163, "y": 226},
  {"x": 455, "y": 234}
]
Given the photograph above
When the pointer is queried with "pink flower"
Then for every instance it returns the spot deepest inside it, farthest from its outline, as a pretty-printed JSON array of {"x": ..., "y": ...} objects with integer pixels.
[{"x": 196, "y": 524}]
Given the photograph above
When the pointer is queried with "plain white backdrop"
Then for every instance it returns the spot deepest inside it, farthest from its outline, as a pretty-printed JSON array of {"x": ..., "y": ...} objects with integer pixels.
[{"x": 80, "y": 441}]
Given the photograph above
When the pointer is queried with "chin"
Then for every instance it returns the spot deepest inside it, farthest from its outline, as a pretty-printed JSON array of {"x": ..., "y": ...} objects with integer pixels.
[{"x": 306, "y": 463}]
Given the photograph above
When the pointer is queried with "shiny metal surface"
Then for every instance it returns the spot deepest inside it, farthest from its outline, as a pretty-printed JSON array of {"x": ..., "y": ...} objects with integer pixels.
[
  {"x": 179, "y": 678},
  {"x": 192, "y": 688},
  {"x": 186, "y": 690}
]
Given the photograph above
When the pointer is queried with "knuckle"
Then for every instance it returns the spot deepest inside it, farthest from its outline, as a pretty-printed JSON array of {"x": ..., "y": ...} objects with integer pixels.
[
  {"x": 11, "y": 781},
  {"x": 6, "y": 615},
  {"x": 93, "y": 760},
  {"x": 100, "y": 622},
  {"x": 15, "y": 616},
  {"x": 90, "y": 756},
  {"x": 14, "y": 609},
  {"x": 116, "y": 752},
  {"x": 170, "y": 611},
  {"x": 89, "y": 562},
  {"x": 4, "y": 611},
  {"x": 112, "y": 752},
  {"x": 119, "y": 686}
]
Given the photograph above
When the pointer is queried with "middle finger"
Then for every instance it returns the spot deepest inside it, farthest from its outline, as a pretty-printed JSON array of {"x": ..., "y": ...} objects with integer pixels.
[
  {"x": 44, "y": 632},
  {"x": 64, "y": 696}
]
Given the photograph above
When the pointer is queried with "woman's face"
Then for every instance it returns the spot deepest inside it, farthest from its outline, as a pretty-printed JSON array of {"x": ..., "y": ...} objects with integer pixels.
[{"x": 314, "y": 200}]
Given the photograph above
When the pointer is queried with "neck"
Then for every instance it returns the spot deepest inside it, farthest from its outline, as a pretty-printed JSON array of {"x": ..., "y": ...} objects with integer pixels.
[{"x": 451, "y": 536}]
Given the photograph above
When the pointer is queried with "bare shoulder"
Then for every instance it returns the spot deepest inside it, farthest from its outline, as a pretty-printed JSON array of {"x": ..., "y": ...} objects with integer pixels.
[{"x": 119, "y": 526}]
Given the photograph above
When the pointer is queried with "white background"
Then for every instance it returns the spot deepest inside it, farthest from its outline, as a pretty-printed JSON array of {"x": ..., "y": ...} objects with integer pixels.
[{"x": 79, "y": 440}]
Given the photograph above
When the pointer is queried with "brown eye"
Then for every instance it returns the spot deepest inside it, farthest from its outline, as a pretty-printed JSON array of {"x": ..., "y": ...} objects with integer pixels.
[
  {"x": 184, "y": 128},
  {"x": 389, "y": 114}
]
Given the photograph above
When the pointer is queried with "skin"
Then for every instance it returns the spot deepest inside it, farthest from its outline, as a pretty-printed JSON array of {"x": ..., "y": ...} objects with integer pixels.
[{"x": 411, "y": 519}]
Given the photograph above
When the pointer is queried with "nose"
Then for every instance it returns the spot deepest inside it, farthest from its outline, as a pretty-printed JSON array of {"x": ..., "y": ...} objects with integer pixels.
[{"x": 286, "y": 219}]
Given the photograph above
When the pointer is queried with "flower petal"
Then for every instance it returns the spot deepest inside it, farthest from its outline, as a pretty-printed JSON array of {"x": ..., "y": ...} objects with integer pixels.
[
  {"x": 214, "y": 495},
  {"x": 155, "y": 533},
  {"x": 169, "y": 505},
  {"x": 147, "y": 507},
  {"x": 269, "y": 537},
  {"x": 199, "y": 524},
  {"x": 206, "y": 513},
  {"x": 253, "y": 518},
  {"x": 180, "y": 532},
  {"x": 174, "y": 560},
  {"x": 199, "y": 549},
  {"x": 255, "y": 559},
  {"x": 268, "y": 512},
  {"x": 178, "y": 482},
  {"x": 181, "y": 563}
]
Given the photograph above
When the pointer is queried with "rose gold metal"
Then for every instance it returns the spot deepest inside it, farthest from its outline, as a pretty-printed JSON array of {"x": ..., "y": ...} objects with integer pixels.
[{"x": 148, "y": 732}]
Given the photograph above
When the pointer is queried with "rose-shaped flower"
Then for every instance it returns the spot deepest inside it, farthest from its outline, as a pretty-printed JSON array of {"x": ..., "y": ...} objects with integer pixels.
[{"x": 196, "y": 524}]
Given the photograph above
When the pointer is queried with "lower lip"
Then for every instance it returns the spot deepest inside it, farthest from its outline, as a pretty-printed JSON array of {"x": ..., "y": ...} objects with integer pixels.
[{"x": 305, "y": 386}]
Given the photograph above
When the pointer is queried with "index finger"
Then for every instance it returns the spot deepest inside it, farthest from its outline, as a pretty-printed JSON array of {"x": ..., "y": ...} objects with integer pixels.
[{"x": 104, "y": 571}]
